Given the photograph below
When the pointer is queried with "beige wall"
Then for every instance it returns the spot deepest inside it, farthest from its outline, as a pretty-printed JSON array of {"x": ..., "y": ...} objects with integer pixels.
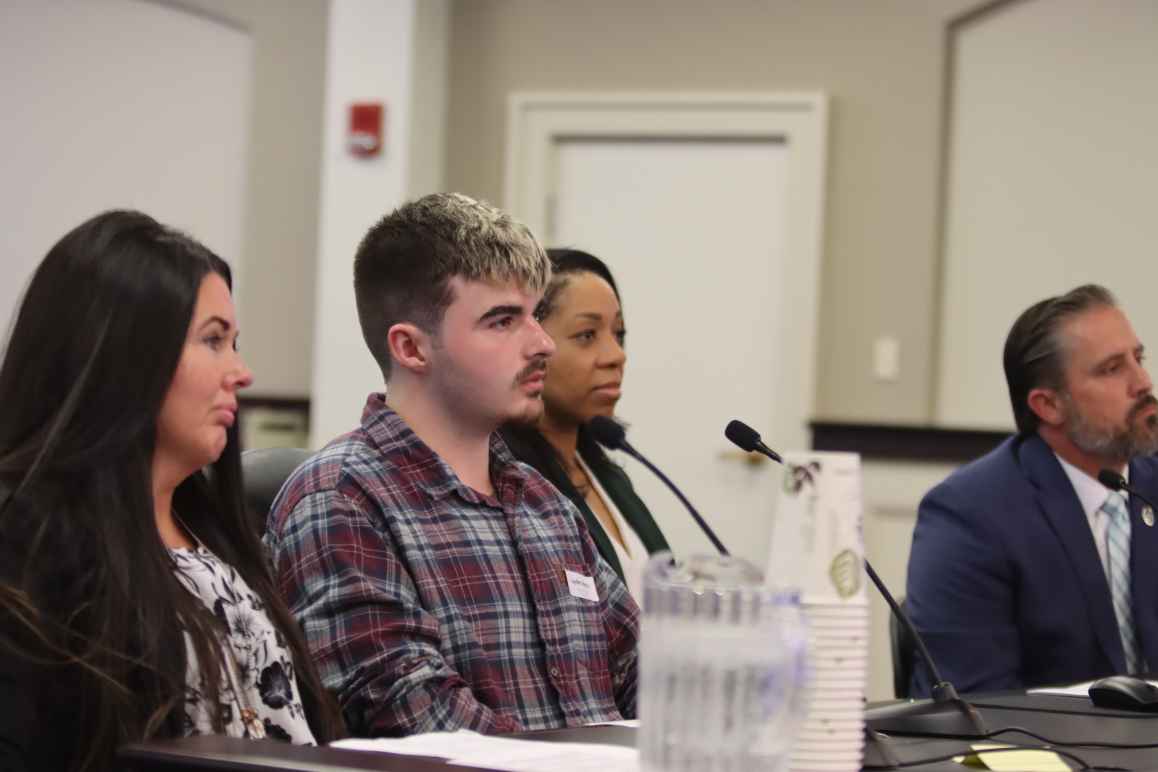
[
  {"x": 881, "y": 64},
  {"x": 281, "y": 231}
]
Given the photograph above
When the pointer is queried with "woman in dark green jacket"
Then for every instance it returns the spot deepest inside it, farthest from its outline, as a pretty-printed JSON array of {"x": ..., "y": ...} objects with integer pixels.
[{"x": 581, "y": 311}]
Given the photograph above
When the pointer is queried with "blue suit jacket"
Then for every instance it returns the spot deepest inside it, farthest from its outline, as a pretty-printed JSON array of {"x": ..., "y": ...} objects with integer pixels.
[{"x": 1005, "y": 582}]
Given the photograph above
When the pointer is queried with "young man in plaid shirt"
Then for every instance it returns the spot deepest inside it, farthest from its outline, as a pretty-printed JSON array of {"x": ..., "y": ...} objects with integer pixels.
[{"x": 442, "y": 584}]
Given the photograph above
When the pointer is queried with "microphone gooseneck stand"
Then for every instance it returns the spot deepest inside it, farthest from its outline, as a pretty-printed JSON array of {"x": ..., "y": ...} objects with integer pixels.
[{"x": 945, "y": 715}]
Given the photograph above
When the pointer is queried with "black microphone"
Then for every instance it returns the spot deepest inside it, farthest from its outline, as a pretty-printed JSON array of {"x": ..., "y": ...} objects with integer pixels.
[
  {"x": 610, "y": 434},
  {"x": 1116, "y": 482},
  {"x": 910, "y": 718},
  {"x": 749, "y": 439}
]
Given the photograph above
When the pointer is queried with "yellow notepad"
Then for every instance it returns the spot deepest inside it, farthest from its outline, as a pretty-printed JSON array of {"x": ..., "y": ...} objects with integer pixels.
[{"x": 1021, "y": 760}]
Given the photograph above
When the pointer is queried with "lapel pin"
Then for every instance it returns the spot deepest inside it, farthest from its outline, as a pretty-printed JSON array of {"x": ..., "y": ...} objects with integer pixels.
[{"x": 1148, "y": 516}]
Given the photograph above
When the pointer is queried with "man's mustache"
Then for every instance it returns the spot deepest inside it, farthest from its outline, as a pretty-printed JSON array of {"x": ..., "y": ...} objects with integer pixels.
[
  {"x": 1142, "y": 404},
  {"x": 534, "y": 368}
]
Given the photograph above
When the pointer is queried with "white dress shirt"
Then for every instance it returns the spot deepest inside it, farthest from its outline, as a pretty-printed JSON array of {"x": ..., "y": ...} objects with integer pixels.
[
  {"x": 1092, "y": 494},
  {"x": 634, "y": 558}
]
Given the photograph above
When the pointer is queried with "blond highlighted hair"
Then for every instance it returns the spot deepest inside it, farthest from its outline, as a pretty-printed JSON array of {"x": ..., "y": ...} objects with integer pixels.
[{"x": 403, "y": 267}]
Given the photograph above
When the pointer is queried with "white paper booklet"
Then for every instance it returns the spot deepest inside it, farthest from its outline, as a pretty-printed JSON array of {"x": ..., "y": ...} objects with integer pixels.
[{"x": 504, "y": 753}]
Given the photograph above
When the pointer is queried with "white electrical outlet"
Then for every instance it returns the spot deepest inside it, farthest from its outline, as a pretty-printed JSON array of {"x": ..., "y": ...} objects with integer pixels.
[{"x": 887, "y": 358}]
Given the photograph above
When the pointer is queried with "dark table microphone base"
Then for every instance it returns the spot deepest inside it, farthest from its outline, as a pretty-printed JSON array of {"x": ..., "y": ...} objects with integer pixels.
[{"x": 926, "y": 718}]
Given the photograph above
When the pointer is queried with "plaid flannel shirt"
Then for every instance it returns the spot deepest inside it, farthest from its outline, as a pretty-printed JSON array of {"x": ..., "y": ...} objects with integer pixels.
[{"x": 428, "y": 606}]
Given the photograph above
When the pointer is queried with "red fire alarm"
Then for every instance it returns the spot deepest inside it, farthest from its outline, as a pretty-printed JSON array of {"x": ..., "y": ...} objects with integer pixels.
[{"x": 364, "y": 138}]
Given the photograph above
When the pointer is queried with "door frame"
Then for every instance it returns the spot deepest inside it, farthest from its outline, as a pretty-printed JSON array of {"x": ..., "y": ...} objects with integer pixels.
[{"x": 536, "y": 121}]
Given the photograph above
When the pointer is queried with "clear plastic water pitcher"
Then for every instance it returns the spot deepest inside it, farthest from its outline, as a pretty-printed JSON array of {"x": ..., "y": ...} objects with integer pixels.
[{"x": 723, "y": 667}]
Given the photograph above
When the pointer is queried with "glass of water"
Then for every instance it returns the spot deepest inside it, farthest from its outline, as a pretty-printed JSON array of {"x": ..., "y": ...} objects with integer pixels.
[{"x": 723, "y": 667}]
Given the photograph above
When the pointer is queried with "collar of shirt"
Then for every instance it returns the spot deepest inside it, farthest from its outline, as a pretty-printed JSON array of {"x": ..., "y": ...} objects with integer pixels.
[
  {"x": 417, "y": 461},
  {"x": 1091, "y": 493}
]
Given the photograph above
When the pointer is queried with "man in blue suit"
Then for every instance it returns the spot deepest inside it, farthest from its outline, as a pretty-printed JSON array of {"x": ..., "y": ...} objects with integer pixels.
[{"x": 1025, "y": 570}]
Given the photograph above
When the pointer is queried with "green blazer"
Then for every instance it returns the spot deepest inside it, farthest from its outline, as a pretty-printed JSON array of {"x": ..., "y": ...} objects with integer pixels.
[{"x": 618, "y": 486}]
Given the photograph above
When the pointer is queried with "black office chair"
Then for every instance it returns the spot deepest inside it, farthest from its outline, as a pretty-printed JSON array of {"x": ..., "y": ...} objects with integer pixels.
[
  {"x": 904, "y": 651},
  {"x": 264, "y": 471}
]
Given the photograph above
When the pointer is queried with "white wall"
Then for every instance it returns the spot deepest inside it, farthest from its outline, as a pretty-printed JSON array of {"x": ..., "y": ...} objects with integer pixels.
[
  {"x": 280, "y": 235},
  {"x": 429, "y": 97},
  {"x": 892, "y": 490},
  {"x": 117, "y": 103},
  {"x": 373, "y": 54},
  {"x": 1051, "y": 181}
]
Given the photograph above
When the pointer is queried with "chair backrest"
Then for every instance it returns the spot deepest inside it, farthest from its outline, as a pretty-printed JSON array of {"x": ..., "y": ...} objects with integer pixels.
[
  {"x": 264, "y": 471},
  {"x": 904, "y": 650}
]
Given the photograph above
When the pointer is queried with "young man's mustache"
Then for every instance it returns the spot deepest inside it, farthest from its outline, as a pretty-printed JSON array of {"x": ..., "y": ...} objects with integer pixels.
[{"x": 534, "y": 368}]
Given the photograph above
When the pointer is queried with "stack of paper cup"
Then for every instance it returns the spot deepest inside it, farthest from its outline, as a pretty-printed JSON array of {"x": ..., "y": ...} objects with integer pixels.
[{"x": 818, "y": 547}]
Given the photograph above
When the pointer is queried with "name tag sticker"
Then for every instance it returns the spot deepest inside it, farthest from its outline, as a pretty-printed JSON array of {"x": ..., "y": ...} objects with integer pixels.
[{"x": 582, "y": 586}]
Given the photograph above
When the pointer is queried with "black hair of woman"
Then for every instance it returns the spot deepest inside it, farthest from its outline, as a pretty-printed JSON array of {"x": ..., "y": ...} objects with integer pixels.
[{"x": 87, "y": 587}]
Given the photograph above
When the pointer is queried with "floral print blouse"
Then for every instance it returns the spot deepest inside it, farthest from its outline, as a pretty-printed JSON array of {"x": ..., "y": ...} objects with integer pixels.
[{"x": 259, "y": 693}]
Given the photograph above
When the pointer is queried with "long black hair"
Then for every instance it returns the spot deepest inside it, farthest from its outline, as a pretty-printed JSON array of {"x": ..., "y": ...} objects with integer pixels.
[
  {"x": 86, "y": 584},
  {"x": 527, "y": 442}
]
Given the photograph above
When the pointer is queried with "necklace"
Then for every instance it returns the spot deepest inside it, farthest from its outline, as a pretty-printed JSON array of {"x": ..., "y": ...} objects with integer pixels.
[
  {"x": 578, "y": 478},
  {"x": 250, "y": 720},
  {"x": 187, "y": 529}
]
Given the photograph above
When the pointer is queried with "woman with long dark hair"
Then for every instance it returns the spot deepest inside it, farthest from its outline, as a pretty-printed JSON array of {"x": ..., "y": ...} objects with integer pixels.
[
  {"x": 134, "y": 599},
  {"x": 581, "y": 312}
]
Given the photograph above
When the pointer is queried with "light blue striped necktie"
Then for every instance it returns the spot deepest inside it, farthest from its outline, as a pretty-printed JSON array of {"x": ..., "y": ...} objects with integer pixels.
[{"x": 1118, "y": 555}]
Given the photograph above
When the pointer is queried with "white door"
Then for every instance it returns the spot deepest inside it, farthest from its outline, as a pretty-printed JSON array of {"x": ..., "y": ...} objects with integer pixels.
[
  {"x": 708, "y": 207},
  {"x": 694, "y": 232}
]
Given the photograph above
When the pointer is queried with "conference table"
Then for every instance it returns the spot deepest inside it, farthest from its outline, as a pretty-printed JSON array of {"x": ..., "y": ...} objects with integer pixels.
[{"x": 1073, "y": 721}]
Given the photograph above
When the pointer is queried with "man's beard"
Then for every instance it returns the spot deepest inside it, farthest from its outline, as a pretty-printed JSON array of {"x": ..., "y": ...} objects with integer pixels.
[{"x": 1135, "y": 438}]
